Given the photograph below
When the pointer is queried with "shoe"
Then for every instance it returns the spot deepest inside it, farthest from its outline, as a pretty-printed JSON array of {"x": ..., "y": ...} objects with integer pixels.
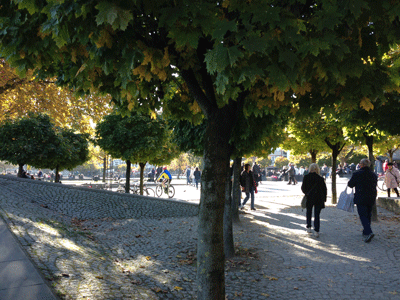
[
  {"x": 308, "y": 230},
  {"x": 316, "y": 234},
  {"x": 253, "y": 209},
  {"x": 369, "y": 238},
  {"x": 241, "y": 206}
]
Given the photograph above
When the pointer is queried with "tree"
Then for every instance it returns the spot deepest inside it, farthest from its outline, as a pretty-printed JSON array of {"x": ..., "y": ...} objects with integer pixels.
[
  {"x": 305, "y": 136},
  {"x": 134, "y": 138},
  {"x": 281, "y": 161},
  {"x": 29, "y": 140},
  {"x": 388, "y": 146},
  {"x": 71, "y": 150},
  {"x": 19, "y": 96},
  {"x": 232, "y": 57}
]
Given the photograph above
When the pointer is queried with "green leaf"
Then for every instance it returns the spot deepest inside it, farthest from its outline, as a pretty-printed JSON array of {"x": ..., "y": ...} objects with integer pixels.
[
  {"x": 110, "y": 13},
  {"x": 222, "y": 27},
  {"x": 221, "y": 57}
]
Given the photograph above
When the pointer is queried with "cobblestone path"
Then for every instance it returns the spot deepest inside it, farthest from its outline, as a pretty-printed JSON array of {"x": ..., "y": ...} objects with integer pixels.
[{"x": 102, "y": 245}]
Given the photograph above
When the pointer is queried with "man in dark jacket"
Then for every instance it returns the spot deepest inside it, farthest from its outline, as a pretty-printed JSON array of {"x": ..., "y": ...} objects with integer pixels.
[{"x": 364, "y": 181}]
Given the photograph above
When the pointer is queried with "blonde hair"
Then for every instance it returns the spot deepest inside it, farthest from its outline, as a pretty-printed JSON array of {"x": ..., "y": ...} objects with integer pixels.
[{"x": 314, "y": 168}]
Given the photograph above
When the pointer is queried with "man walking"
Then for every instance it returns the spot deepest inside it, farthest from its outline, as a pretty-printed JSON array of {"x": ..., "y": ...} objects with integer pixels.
[{"x": 364, "y": 181}]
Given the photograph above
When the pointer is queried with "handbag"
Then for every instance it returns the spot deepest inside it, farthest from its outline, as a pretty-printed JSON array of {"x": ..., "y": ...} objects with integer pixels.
[
  {"x": 304, "y": 202},
  {"x": 346, "y": 201}
]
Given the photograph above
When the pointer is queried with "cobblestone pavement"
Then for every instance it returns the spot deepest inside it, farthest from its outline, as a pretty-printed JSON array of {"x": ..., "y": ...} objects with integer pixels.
[{"x": 101, "y": 245}]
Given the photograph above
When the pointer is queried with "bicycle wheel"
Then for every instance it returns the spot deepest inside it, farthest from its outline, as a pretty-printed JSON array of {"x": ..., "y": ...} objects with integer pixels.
[
  {"x": 159, "y": 190},
  {"x": 149, "y": 192},
  {"x": 171, "y": 191},
  {"x": 383, "y": 188}
]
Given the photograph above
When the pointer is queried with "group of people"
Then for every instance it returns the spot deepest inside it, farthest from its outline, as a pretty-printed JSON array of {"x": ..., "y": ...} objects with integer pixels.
[
  {"x": 363, "y": 180},
  {"x": 193, "y": 176}
]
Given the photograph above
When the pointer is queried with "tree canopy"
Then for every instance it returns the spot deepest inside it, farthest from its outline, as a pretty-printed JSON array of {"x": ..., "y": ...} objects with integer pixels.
[
  {"x": 218, "y": 59},
  {"x": 20, "y": 96}
]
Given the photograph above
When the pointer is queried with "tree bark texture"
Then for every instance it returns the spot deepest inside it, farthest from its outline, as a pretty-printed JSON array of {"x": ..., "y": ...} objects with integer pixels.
[
  {"x": 210, "y": 247},
  {"x": 141, "y": 165},
  {"x": 229, "y": 247},
  {"x": 128, "y": 176},
  {"x": 236, "y": 191},
  {"x": 20, "y": 169},
  {"x": 313, "y": 156},
  {"x": 104, "y": 168}
]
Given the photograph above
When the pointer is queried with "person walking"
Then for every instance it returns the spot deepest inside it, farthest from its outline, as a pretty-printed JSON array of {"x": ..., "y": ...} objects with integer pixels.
[
  {"x": 392, "y": 178},
  {"x": 197, "y": 177},
  {"x": 364, "y": 181},
  {"x": 247, "y": 181},
  {"x": 314, "y": 187},
  {"x": 187, "y": 175},
  {"x": 292, "y": 173}
]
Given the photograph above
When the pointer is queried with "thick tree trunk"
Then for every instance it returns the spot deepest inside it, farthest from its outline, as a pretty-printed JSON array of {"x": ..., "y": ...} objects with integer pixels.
[
  {"x": 313, "y": 154},
  {"x": 210, "y": 247},
  {"x": 236, "y": 191},
  {"x": 229, "y": 247},
  {"x": 141, "y": 165},
  {"x": 20, "y": 170},
  {"x": 128, "y": 176}
]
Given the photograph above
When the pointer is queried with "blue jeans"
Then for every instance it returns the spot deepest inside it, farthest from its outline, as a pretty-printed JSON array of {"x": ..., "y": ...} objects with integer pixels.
[
  {"x": 317, "y": 211},
  {"x": 365, "y": 213},
  {"x": 248, "y": 196},
  {"x": 197, "y": 183}
]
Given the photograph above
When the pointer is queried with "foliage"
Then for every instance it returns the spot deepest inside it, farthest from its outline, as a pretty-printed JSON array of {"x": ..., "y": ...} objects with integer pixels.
[
  {"x": 29, "y": 140},
  {"x": 264, "y": 161},
  {"x": 136, "y": 137},
  {"x": 20, "y": 96},
  {"x": 281, "y": 162},
  {"x": 34, "y": 140},
  {"x": 234, "y": 58},
  {"x": 301, "y": 160}
]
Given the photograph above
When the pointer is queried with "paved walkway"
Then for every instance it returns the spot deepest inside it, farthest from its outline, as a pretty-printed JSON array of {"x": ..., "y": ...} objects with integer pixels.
[{"x": 101, "y": 245}]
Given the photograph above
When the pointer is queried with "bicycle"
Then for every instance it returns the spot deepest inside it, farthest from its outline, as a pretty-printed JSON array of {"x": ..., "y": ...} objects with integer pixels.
[
  {"x": 135, "y": 189},
  {"x": 168, "y": 189}
]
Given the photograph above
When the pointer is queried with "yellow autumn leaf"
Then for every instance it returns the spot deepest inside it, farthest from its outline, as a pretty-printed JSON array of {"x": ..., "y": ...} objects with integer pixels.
[
  {"x": 148, "y": 257},
  {"x": 366, "y": 104},
  {"x": 178, "y": 288}
]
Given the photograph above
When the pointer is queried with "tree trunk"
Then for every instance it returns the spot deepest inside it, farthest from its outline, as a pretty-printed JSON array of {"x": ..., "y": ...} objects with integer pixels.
[
  {"x": 313, "y": 156},
  {"x": 229, "y": 247},
  {"x": 128, "y": 176},
  {"x": 236, "y": 193},
  {"x": 210, "y": 247},
  {"x": 335, "y": 154},
  {"x": 20, "y": 170},
  {"x": 336, "y": 149},
  {"x": 57, "y": 177},
  {"x": 104, "y": 168},
  {"x": 369, "y": 140},
  {"x": 141, "y": 165}
]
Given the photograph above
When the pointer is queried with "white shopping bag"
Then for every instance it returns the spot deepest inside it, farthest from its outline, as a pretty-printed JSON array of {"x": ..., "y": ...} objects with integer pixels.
[{"x": 346, "y": 201}]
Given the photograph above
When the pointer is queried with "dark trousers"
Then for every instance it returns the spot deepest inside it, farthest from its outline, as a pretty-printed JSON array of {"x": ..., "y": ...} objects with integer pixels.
[
  {"x": 365, "y": 213},
  {"x": 291, "y": 178},
  {"x": 317, "y": 211}
]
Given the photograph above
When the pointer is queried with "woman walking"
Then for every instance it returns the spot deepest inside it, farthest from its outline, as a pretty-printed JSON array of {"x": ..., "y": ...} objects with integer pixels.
[
  {"x": 392, "y": 178},
  {"x": 315, "y": 188}
]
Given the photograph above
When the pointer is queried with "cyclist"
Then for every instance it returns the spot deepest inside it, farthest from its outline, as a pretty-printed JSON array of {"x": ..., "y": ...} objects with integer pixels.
[{"x": 166, "y": 178}]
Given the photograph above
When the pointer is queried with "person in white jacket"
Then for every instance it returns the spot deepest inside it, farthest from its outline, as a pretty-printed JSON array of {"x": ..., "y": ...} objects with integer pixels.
[{"x": 392, "y": 179}]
